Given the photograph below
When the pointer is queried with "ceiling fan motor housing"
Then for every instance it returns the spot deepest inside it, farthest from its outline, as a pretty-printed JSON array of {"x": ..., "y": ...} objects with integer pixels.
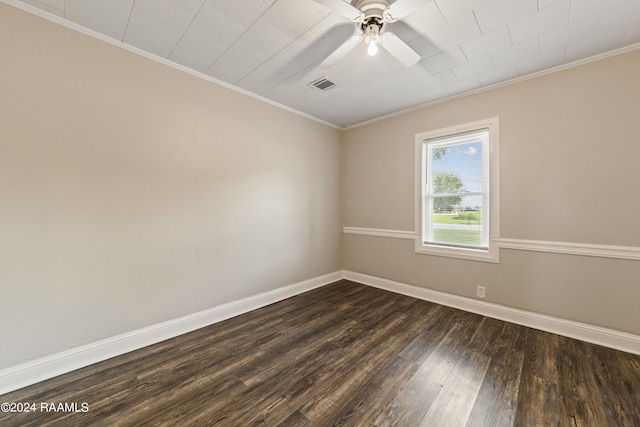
[
  {"x": 373, "y": 21},
  {"x": 372, "y": 8},
  {"x": 372, "y": 24}
]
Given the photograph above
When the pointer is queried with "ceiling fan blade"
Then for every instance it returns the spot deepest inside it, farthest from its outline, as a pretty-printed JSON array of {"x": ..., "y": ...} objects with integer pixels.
[
  {"x": 341, "y": 51},
  {"x": 399, "y": 49},
  {"x": 343, "y": 8},
  {"x": 402, "y": 8}
]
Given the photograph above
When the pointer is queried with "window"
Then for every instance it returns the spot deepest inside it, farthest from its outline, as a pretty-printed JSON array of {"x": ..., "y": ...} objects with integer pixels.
[{"x": 457, "y": 191}]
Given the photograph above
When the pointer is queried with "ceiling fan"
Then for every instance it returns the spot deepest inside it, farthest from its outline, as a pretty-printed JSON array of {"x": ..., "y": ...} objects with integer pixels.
[{"x": 371, "y": 18}]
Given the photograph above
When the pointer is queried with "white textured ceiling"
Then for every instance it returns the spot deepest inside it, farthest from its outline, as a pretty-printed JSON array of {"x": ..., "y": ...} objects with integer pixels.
[{"x": 273, "y": 47}]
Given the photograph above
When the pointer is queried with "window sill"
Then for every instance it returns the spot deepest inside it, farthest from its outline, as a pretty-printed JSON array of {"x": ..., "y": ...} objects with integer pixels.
[{"x": 491, "y": 255}]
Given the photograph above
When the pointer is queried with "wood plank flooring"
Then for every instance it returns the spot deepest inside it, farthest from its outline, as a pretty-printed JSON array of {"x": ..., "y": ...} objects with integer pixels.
[{"x": 350, "y": 355}]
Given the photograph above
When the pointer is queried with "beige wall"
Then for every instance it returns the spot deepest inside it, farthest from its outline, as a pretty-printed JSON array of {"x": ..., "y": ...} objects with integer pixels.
[
  {"x": 132, "y": 193},
  {"x": 570, "y": 144}
]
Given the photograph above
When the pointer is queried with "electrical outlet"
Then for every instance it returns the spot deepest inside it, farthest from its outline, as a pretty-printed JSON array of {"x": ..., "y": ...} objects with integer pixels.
[{"x": 480, "y": 291}]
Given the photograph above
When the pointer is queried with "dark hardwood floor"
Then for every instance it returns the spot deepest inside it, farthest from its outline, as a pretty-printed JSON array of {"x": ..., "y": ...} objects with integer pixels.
[{"x": 351, "y": 355}]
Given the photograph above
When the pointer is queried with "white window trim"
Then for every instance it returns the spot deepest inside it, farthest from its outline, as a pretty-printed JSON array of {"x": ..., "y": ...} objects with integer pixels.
[{"x": 492, "y": 254}]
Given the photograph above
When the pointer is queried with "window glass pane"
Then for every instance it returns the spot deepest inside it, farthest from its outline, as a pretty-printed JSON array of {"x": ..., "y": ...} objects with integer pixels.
[
  {"x": 457, "y": 168},
  {"x": 457, "y": 188},
  {"x": 458, "y": 224}
]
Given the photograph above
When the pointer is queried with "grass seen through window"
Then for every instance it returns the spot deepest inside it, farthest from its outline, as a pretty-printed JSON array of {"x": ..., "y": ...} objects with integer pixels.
[
  {"x": 461, "y": 218},
  {"x": 455, "y": 236}
]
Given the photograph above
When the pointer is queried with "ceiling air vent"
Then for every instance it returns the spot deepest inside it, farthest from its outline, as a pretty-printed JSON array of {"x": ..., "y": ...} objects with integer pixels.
[{"x": 322, "y": 84}]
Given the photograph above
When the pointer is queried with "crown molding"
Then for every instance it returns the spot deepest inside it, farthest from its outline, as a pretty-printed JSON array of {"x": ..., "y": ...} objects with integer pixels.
[
  {"x": 515, "y": 80},
  {"x": 117, "y": 43}
]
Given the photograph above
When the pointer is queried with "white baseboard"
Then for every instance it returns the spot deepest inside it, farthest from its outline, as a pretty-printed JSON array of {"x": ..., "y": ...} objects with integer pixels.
[
  {"x": 606, "y": 337},
  {"x": 63, "y": 362}
]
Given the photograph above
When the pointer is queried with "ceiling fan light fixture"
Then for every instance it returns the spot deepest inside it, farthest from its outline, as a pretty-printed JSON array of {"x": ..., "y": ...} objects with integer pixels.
[
  {"x": 372, "y": 38},
  {"x": 372, "y": 50}
]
